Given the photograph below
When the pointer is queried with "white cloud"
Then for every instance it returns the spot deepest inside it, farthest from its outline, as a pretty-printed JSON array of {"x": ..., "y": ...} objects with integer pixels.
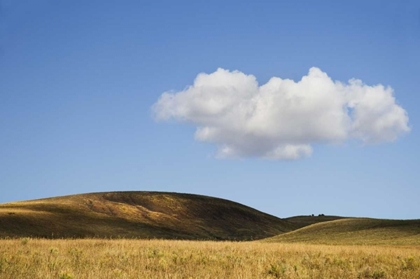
[{"x": 282, "y": 118}]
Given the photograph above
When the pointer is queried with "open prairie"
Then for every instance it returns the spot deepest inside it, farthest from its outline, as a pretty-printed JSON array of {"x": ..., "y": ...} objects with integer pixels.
[
  {"x": 138, "y": 235},
  {"x": 95, "y": 258}
]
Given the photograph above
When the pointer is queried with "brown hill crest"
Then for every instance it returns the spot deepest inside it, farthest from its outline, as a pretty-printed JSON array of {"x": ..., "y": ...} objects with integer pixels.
[{"x": 138, "y": 215}]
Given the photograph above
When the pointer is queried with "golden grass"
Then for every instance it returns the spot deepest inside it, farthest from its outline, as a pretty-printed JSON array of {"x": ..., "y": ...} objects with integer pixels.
[
  {"x": 355, "y": 231},
  {"x": 94, "y": 258}
]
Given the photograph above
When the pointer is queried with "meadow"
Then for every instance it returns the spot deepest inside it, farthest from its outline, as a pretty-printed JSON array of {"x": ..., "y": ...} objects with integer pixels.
[{"x": 123, "y": 258}]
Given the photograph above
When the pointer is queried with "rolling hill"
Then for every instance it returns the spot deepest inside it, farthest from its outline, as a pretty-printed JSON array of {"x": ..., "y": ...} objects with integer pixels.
[
  {"x": 360, "y": 231},
  {"x": 305, "y": 220},
  {"x": 138, "y": 215},
  {"x": 161, "y": 215}
]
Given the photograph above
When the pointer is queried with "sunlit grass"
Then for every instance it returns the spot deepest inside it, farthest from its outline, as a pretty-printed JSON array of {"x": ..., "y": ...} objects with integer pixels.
[
  {"x": 356, "y": 231},
  {"x": 40, "y": 258}
]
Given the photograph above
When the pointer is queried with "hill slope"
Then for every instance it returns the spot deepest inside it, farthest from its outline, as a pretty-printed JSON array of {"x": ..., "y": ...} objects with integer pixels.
[
  {"x": 138, "y": 215},
  {"x": 305, "y": 220},
  {"x": 356, "y": 231}
]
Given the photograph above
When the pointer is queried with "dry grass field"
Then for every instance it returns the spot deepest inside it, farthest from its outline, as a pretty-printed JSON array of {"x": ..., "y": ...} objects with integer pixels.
[{"x": 95, "y": 258}]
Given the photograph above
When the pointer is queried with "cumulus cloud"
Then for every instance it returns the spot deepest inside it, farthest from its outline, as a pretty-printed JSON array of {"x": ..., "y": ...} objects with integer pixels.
[{"x": 282, "y": 118}]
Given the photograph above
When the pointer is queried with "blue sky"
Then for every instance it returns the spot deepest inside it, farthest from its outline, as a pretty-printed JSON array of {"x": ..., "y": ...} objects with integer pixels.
[{"x": 78, "y": 80}]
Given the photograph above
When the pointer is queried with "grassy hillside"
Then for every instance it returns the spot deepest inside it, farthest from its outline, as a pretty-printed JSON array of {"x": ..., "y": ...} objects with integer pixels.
[
  {"x": 356, "y": 231},
  {"x": 305, "y": 220},
  {"x": 138, "y": 215}
]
